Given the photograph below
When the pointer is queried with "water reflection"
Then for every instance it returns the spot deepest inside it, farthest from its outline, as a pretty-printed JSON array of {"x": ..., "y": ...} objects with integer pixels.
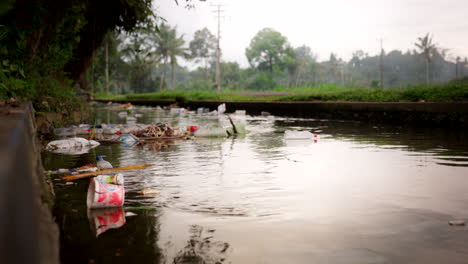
[
  {"x": 202, "y": 248},
  {"x": 446, "y": 144},
  {"x": 359, "y": 194},
  {"x": 104, "y": 219},
  {"x": 158, "y": 145}
]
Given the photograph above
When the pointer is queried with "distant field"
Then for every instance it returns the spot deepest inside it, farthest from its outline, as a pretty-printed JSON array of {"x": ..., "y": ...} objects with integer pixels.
[{"x": 453, "y": 91}]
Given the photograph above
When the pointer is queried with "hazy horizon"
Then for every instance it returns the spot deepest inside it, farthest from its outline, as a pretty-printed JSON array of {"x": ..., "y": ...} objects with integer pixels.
[{"x": 338, "y": 26}]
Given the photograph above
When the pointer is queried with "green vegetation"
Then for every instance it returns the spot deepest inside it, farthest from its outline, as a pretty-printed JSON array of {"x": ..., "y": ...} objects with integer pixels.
[
  {"x": 55, "y": 53},
  {"x": 453, "y": 91},
  {"x": 46, "y": 46},
  {"x": 269, "y": 51},
  {"x": 187, "y": 96},
  {"x": 274, "y": 64}
]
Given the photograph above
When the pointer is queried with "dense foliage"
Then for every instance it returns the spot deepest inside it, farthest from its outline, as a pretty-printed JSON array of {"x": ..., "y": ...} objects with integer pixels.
[
  {"x": 274, "y": 63},
  {"x": 46, "y": 46},
  {"x": 453, "y": 91}
]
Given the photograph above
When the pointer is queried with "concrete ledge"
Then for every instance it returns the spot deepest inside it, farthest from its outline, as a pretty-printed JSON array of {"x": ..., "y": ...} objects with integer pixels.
[
  {"x": 412, "y": 113},
  {"x": 28, "y": 233}
]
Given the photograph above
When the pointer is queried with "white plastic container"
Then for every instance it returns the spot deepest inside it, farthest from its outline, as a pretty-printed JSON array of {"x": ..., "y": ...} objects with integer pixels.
[{"x": 106, "y": 191}]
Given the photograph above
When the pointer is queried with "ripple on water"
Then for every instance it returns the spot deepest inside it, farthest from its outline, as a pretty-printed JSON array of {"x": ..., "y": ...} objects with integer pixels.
[{"x": 351, "y": 185}]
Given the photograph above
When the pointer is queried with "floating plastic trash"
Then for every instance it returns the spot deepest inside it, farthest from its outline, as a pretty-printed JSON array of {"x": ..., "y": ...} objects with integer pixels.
[
  {"x": 128, "y": 214},
  {"x": 240, "y": 112},
  {"x": 291, "y": 134},
  {"x": 130, "y": 119},
  {"x": 210, "y": 132},
  {"x": 122, "y": 114},
  {"x": 128, "y": 139},
  {"x": 110, "y": 130},
  {"x": 103, "y": 164},
  {"x": 176, "y": 110},
  {"x": 74, "y": 145},
  {"x": 149, "y": 192},
  {"x": 106, "y": 191},
  {"x": 221, "y": 108}
]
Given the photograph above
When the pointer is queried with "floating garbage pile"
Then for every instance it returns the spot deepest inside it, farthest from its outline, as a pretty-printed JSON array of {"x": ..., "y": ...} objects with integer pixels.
[
  {"x": 105, "y": 195},
  {"x": 105, "y": 192},
  {"x": 133, "y": 133},
  {"x": 101, "y": 129}
]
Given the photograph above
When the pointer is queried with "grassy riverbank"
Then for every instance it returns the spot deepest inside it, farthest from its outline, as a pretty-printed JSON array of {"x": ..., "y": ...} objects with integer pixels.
[{"x": 453, "y": 91}]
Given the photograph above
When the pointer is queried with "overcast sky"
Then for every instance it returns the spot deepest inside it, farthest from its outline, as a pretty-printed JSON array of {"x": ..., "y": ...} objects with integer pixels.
[{"x": 339, "y": 26}]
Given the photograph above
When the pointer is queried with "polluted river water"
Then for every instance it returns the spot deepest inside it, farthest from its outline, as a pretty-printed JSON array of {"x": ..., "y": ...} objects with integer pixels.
[{"x": 356, "y": 193}]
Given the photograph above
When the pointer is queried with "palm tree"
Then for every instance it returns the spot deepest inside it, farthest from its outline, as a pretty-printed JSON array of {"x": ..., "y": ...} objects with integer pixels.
[
  {"x": 169, "y": 48},
  {"x": 427, "y": 49},
  {"x": 138, "y": 51}
]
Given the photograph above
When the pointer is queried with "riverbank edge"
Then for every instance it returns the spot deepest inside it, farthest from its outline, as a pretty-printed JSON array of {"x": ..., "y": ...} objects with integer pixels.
[
  {"x": 29, "y": 232},
  {"x": 431, "y": 114}
]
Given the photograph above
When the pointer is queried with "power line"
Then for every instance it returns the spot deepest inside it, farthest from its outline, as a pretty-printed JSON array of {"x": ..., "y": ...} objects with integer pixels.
[{"x": 218, "y": 12}]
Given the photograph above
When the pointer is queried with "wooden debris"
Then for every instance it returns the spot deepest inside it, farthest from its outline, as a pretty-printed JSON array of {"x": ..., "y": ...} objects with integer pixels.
[
  {"x": 159, "y": 138},
  {"x": 149, "y": 192},
  {"x": 456, "y": 223},
  {"x": 95, "y": 173},
  {"x": 234, "y": 129}
]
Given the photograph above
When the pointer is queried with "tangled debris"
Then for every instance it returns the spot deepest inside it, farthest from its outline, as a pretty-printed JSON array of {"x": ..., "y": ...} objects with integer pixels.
[{"x": 157, "y": 130}]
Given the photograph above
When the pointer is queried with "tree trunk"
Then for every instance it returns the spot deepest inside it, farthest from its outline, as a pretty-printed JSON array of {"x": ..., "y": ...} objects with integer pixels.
[
  {"x": 163, "y": 76},
  {"x": 427, "y": 71},
  {"x": 296, "y": 82},
  {"x": 172, "y": 76},
  {"x": 270, "y": 60}
]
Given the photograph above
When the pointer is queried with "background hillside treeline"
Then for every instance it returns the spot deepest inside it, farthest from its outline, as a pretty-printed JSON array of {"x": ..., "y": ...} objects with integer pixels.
[
  {"x": 137, "y": 64},
  {"x": 51, "y": 51}
]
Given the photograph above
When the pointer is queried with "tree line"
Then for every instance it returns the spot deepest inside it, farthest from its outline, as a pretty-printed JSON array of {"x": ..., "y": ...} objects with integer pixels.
[
  {"x": 140, "y": 62},
  {"x": 50, "y": 48}
]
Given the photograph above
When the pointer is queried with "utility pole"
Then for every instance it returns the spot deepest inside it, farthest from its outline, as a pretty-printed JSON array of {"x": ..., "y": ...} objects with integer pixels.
[
  {"x": 457, "y": 62},
  {"x": 218, "y": 12},
  {"x": 381, "y": 64}
]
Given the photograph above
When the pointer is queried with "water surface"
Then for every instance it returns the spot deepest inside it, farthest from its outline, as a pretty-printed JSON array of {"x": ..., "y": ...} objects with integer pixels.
[{"x": 355, "y": 194}]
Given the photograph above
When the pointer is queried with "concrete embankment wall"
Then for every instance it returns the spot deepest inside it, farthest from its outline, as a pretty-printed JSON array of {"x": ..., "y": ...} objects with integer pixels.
[
  {"x": 401, "y": 113},
  {"x": 28, "y": 233}
]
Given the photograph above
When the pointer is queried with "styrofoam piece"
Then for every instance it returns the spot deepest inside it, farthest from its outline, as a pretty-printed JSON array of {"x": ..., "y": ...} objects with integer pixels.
[
  {"x": 71, "y": 145},
  {"x": 292, "y": 134},
  {"x": 221, "y": 108}
]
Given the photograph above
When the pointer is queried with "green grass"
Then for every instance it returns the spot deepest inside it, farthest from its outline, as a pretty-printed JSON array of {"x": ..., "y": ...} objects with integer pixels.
[
  {"x": 453, "y": 91},
  {"x": 187, "y": 96}
]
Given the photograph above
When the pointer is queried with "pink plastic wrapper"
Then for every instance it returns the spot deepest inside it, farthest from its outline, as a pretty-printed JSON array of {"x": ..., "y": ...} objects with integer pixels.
[
  {"x": 104, "y": 219},
  {"x": 103, "y": 193}
]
